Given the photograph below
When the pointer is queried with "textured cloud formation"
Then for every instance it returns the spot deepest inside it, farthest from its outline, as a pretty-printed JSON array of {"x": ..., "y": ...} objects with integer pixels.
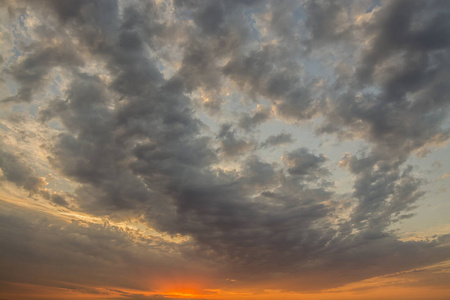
[
  {"x": 18, "y": 173},
  {"x": 119, "y": 83},
  {"x": 278, "y": 139}
]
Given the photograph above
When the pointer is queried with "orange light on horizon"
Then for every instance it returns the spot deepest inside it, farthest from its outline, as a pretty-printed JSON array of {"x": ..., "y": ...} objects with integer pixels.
[{"x": 181, "y": 287}]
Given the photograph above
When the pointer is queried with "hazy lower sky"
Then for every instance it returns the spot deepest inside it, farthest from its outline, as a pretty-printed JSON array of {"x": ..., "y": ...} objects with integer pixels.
[{"x": 224, "y": 149}]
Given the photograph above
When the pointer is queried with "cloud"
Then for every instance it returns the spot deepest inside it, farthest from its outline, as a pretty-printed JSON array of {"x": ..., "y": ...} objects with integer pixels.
[
  {"x": 279, "y": 139},
  {"x": 31, "y": 74},
  {"x": 384, "y": 192},
  {"x": 327, "y": 22},
  {"x": 80, "y": 255},
  {"x": 134, "y": 146},
  {"x": 248, "y": 122},
  {"x": 268, "y": 73},
  {"x": 230, "y": 145},
  {"x": 19, "y": 173},
  {"x": 396, "y": 76},
  {"x": 301, "y": 162}
]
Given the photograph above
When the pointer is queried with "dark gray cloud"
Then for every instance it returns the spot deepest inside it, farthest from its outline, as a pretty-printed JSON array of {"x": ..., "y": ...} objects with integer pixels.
[
  {"x": 385, "y": 193},
  {"x": 59, "y": 199},
  {"x": 396, "y": 100},
  {"x": 257, "y": 172},
  {"x": 17, "y": 172},
  {"x": 407, "y": 104},
  {"x": 222, "y": 30},
  {"x": 387, "y": 101},
  {"x": 423, "y": 28},
  {"x": 276, "y": 140},
  {"x": 231, "y": 145},
  {"x": 33, "y": 72},
  {"x": 303, "y": 163},
  {"x": 135, "y": 146},
  {"x": 327, "y": 22},
  {"x": 248, "y": 122},
  {"x": 269, "y": 72}
]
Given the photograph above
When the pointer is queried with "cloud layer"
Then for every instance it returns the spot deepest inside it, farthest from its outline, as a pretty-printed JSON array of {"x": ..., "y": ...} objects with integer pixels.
[{"x": 157, "y": 112}]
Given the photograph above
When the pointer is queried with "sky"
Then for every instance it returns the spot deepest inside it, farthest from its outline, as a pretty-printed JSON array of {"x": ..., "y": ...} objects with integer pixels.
[{"x": 224, "y": 149}]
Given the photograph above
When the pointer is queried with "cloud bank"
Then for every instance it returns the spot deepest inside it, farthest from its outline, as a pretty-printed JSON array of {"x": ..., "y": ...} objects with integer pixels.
[{"x": 156, "y": 111}]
